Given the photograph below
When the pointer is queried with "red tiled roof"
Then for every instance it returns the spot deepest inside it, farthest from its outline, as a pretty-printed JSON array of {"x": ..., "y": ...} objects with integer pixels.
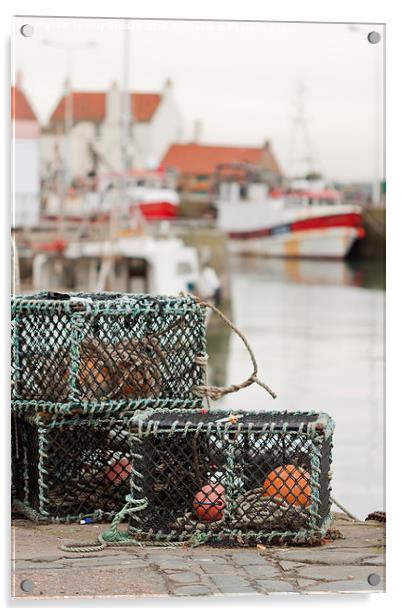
[
  {"x": 193, "y": 158},
  {"x": 144, "y": 105},
  {"x": 20, "y": 107},
  {"x": 91, "y": 106},
  {"x": 87, "y": 106}
]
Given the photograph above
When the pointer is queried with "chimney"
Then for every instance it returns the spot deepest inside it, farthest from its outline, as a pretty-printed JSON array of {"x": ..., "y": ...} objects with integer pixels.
[
  {"x": 167, "y": 86},
  {"x": 67, "y": 85},
  {"x": 19, "y": 80},
  {"x": 197, "y": 131},
  {"x": 113, "y": 104}
]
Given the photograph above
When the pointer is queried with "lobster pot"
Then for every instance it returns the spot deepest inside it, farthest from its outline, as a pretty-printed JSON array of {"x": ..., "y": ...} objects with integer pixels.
[
  {"x": 65, "y": 468},
  {"x": 16, "y": 468},
  {"x": 116, "y": 350},
  {"x": 239, "y": 477}
]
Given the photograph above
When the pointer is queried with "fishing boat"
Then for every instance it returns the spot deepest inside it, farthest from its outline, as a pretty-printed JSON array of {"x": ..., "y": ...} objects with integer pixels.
[
  {"x": 308, "y": 220},
  {"x": 155, "y": 203},
  {"x": 133, "y": 264},
  {"x": 151, "y": 193}
]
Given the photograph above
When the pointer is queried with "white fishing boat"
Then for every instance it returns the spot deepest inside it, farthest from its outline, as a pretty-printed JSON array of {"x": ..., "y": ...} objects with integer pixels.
[
  {"x": 133, "y": 264},
  {"x": 150, "y": 193},
  {"x": 309, "y": 220}
]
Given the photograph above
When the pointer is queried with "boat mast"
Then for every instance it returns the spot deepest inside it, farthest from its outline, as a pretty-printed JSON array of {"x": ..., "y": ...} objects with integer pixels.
[{"x": 301, "y": 159}]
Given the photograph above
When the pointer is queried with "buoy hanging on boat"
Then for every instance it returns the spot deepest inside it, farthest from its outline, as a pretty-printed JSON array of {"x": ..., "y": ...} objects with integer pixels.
[{"x": 289, "y": 483}]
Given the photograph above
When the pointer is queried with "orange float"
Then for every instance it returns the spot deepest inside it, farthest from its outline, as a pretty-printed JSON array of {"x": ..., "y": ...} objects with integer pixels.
[
  {"x": 119, "y": 471},
  {"x": 92, "y": 375},
  {"x": 289, "y": 483},
  {"x": 209, "y": 503}
]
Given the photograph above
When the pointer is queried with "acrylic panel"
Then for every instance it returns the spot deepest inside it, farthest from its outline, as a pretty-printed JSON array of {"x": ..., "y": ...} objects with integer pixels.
[{"x": 242, "y": 163}]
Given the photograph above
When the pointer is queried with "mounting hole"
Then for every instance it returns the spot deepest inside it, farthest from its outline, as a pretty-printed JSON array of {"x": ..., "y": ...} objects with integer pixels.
[
  {"x": 374, "y": 579},
  {"x": 27, "y": 30},
  {"x": 26, "y": 586},
  {"x": 374, "y": 37}
]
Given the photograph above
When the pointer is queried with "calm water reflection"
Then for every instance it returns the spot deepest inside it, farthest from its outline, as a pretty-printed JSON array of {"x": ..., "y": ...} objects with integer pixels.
[{"x": 318, "y": 336}]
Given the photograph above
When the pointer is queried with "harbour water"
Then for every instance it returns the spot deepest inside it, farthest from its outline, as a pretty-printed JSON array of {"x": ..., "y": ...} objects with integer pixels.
[{"x": 317, "y": 330}]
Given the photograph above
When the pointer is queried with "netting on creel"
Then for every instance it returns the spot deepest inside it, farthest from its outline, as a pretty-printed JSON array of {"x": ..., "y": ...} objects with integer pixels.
[
  {"x": 94, "y": 348},
  {"x": 65, "y": 468},
  {"x": 258, "y": 476}
]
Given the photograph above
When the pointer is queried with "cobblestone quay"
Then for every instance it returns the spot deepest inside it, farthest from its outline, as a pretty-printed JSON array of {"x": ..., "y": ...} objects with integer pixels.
[{"x": 355, "y": 562}]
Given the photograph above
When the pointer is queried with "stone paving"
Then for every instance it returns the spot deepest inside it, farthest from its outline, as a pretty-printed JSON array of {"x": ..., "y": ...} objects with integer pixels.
[{"x": 340, "y": 566}]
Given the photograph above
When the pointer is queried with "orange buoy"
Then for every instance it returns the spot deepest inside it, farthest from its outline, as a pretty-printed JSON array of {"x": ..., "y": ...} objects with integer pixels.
[
  {"x": 289, "y": 483},
  {"x": 94, "y": 376},
  {"x": 119, "y": 471},
  {"x": 209, "y": 503}
]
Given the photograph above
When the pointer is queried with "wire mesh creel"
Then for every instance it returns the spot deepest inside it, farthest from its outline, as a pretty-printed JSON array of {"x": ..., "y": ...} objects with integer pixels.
[
  {"x": 67, "y": 467},
  {"x": 100, "y": 351},
  {"x": 246, "y": 477}
]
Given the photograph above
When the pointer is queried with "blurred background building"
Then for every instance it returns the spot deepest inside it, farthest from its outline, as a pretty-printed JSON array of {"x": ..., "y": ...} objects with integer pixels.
[
  {"x": 196, "y": 164},
  {"x": 86, "y": 128},
  {"x": 26, "y": 162}
]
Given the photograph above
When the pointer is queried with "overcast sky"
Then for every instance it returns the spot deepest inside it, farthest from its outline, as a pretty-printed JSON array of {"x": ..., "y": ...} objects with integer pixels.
[{"x": 239, "y": 79}]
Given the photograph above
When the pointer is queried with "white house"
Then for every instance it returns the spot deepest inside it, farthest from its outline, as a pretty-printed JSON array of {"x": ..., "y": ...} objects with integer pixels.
[
  {"x": 85, "y": 131},
  {"x": 25, "y": 131}
]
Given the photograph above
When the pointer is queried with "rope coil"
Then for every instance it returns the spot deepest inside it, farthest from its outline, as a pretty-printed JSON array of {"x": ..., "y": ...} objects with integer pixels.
[{"x": 112, "y": 536}]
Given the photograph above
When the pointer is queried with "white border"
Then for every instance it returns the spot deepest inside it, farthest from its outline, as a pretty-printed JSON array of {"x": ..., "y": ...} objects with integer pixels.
[{"x": 385, "y": 11}]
